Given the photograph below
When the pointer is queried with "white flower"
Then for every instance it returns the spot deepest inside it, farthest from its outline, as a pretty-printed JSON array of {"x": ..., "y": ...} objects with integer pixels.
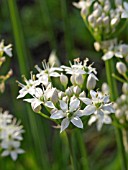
[
  {"x": 28, "y": 88},
  {"x": 125, "y": 10},
  {"x": 70, "y": 112},
  {"x": 47, "y": 72},
  {"x": 7, "y": 49},
  {"x": 10, "y": 135},
  {"x": 98, "y": 105},
  {"x": 100, "y": 120}
]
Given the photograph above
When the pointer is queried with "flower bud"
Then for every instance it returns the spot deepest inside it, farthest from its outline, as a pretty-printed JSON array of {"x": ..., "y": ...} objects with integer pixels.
[
  {"x": 76, "y": 90},
  {"x": 97, "y": 12},
  {"x": 126, "y": 58},
  {"x": 105, "y": 88},
  {"x": 72, "y": 79},
  {"x": 121, "y": 67},
  {"x": 83, "y": 94},
  {"x": 118, "y": 113},
  {"x": 35, "y": 109},
  {"x": 69, "y": 91},
  {"x": 91, "y": 82},
  {"x": 61, "y": 94},
  {"x": 65, "y": 99},
  {"x": 53, "y": 59},
  {"x": 63, "y": 79},
  {"x": 115, "y": 21},
  {"x": 125, "y": 88},
  {"x": 54, "y": 95},
  {"x": 97, "y": 46},
  {"x": 123, "y": 49},
  {"x": 79, "y": 79},
  {"x": 106, "y": 21},
  {"x": 91, "y": 18}
]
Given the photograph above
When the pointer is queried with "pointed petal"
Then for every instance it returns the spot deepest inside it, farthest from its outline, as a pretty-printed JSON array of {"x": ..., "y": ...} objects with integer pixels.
[
  {"x": 92, "y": 119},
  {"x": 124, "y": 14},
  {"x": 5, "y": 153},
  {"x": 106, "y": 99},
  {"x": 125, "y": 6},
  {"x": 14, "y": 155},
  {"x": 64, "y": 124},
  {"x": 63, "y": 105},
  {"x": 93, "y": 93},
  {"x": 87, "y": 101},
  {"x": 58, "y": 114},
  {"x": 77, "y": 122},
  {"x": 74, "y": 105},
  {"x": 107, "y": 119},
  {"x": 108, "y": 107},
  {"x": 49, "y": 104},
  {"x": 108, "y": 55},
  {"x": 89, "y": 110},
  {"x": 119, "y": 55},
  {"x": 54, "y": 74},
  {"x": 99, "y": 124}
]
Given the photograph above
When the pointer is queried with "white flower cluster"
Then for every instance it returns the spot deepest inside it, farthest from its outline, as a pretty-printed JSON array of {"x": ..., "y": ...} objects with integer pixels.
[
  {"x": 68, "y": 102},
  {"x": 10, "y": 135},
  {"x": 101, "y": 18},
  {"x": 8, "y": 51},
  {"x": 121, "y": 105}
]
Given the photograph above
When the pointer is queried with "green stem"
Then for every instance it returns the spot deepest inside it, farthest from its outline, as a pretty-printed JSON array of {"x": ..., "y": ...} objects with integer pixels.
[
  {"x": 114, "y": 94},
  {"x": 118, "y": 78},
  {"x": 47, "y": 117}
]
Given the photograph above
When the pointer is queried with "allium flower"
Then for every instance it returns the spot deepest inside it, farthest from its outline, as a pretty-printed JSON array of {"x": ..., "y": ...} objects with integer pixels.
[
  {"x": 10, "y": 135},
  {"x": 7, "y": 49},
  {"x": 29, "y": 88},
  {"x": 125, "y": 10},
  {"x": 47, "y": 72},
  {"x": 70, "y": 112},
  {"x": 98, "y": 105}
]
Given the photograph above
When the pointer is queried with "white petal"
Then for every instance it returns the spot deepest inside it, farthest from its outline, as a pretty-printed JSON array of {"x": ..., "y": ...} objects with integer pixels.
[
  {"x": 108, "y": 107},
  {"x": 125, "y": 6},
  {"x": 93, "y": 94},
  {"x": 108, "y": 55},
  {"x": 99, "y": 124},
  {"x": 87, "y": 101},
  {"x": 14, "y": 155},
  {"x": 124, "y": 14},
  {"x": 119, "y": 55},
  {"x": 54, "y": 74},
  {"x": 106, "y": 99},
  {"x": 74, "y": 105},
  {"x": 92, "y": 119},
  {"x": 77, "y": 122},
  {"x": 58, "y": 114},
  {"x": 5, "y": 153},
  {"x": 63, "y": 105},
  {"x": 107, "y": 119},
  {"x": 89, "y": 110},
  {"x": 20, "y": 151},
  {"x": 49, "y": 104},
  {"x": 29, "y": 100},
  {"x": 36, "y": 103},
  {"x": 64, "y": 124},
  {"x": 79, "y": 113}
]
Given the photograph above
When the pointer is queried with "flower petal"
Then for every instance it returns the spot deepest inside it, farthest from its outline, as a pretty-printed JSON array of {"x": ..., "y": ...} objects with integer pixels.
[
  {"x": 64, "y": 124},
  {"x": 74, "y": 105},
  {"x": 108, "y": 107},
  {"x": 87, "y": 101},
  {"x": 58, "y": 114},
  {"x": 93, "y": 94},
  {"x": 63, "y": 105},
  {"x": 49, "y": 104},
  {"x": 77, "y": 122},
  {"x": 89, "y": 110},
  {"x": 107, "y": 119},
  {"x": 108, "y": 55},
  {"x": 92, "y": 119}
]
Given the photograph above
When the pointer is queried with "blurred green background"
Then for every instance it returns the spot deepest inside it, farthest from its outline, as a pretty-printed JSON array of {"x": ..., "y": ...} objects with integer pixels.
[{"x": 35, "y": 28}]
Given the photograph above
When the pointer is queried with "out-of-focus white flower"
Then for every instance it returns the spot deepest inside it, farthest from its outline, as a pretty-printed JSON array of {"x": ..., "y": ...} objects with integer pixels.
[
  {"x": 53, "y": 59},
  {"x": 105, "y": 89},
  {"x": 98, "y": 105},
  {"x": 7, "y": 49},
  {"x": 125, "y": 88},
  {"x": 125, "y": 10},
  {"x": 10, "y": 135},
  {"x": 121, "y": 67},
  {"x": 70, "y": 112}
]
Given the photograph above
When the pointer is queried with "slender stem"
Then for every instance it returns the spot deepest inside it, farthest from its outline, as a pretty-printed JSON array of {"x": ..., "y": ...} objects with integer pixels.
[
  {"x": 118, "y": 78},
  {"x": 47, "y": 117},
  {"x": 114, "y": 94}
]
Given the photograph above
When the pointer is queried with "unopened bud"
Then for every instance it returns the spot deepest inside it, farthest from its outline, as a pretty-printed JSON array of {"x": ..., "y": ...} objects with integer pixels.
[
  {"x": 115, "y": 21},
  {"x": 35, "y": 109},
  {"x": 69, "y": 91},
  {"x": 97, "y": 46},
  {"x": 118, "y": 113},
  {"x": 83, "y": 94},
  {"x": 79, "y": 79},
  {"x": 65, "y": 99},
  {"x": 105, "y": 88},
  {"x": 91, "y": 82},
  {"x": 72, "y": 79},
  {"x": 76, "y": 90},
  {"x": 121, "y": 67},
  {"x": 54, "y": 59},
  {"x": 63, "y": 79},
  {"x": 54, "y": 95},
  {"x": 106, "y": 20},
  {"x": 125, "y": 88},
  {"x": 124, "y": 49},
  {"x": 61, "y": 94}
]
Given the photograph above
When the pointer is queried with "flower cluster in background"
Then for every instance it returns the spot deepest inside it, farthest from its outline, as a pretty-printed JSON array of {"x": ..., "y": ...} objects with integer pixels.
[
  {"x": 4, "y": 50},
  {"x": 71, "y": 100},
  {"x": 10, "y": 135},
  {"x": 102, "y": 17}
]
